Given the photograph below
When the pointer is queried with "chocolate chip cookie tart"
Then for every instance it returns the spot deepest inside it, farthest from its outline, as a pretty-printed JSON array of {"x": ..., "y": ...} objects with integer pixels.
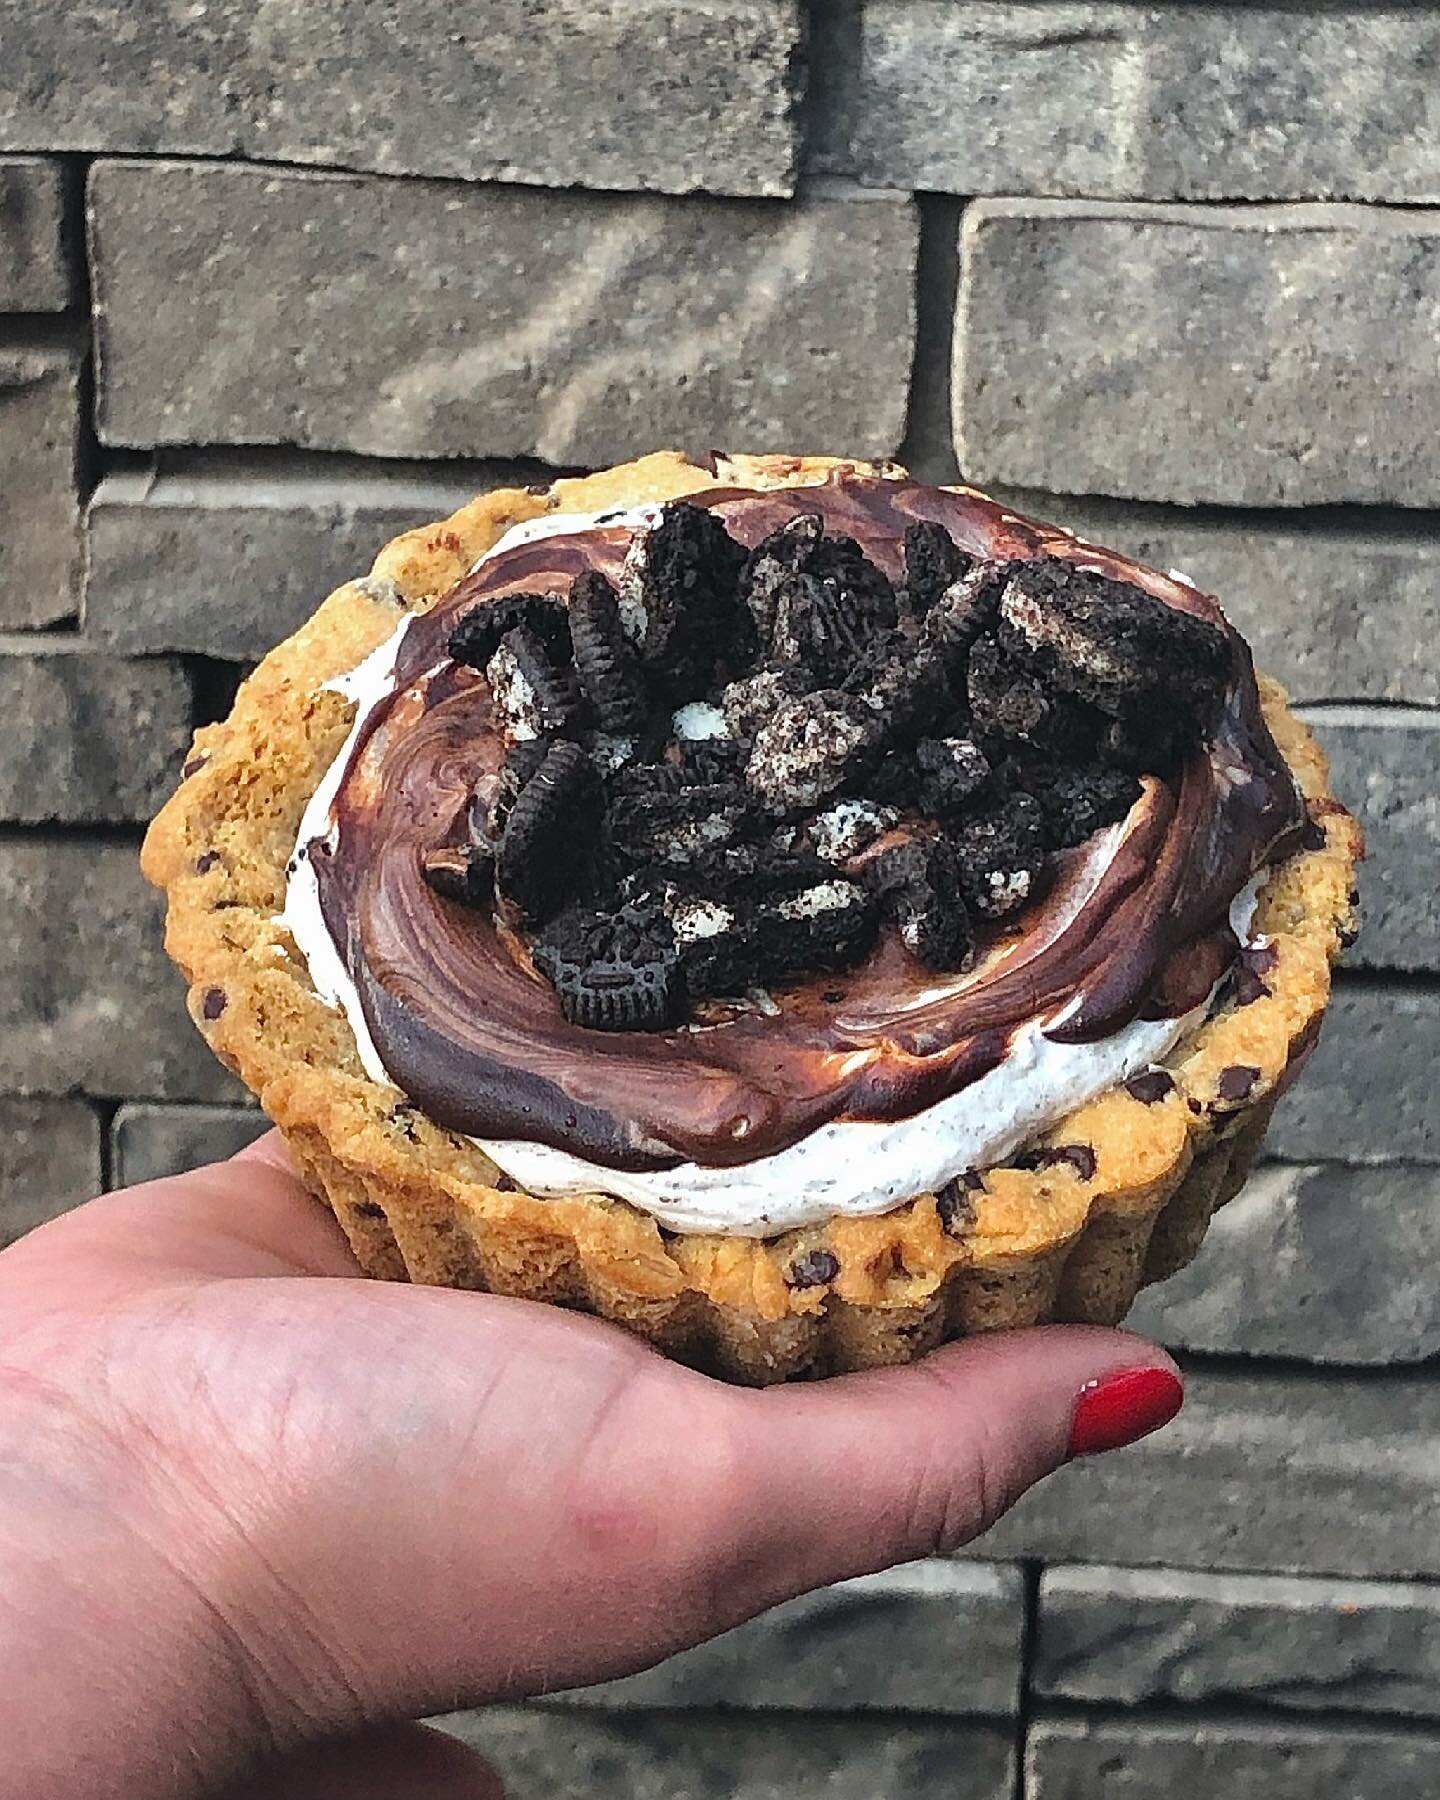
[{"x": 797, "y": 913}]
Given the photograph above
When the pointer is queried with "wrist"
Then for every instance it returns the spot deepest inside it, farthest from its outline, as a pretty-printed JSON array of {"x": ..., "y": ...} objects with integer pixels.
[{"x": 119, "y": 1671}]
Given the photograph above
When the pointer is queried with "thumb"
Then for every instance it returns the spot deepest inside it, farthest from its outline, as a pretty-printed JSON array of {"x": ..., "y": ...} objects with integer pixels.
[
  {"x": 391, "y": 1762},
  {"x": 858, "y": 1473}
]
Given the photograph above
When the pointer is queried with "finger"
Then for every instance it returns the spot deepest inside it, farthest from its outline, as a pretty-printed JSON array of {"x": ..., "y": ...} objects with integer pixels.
[
  {"x": 250, "y": 1215},
  {"x": 393, "y": 1762},
  {"x": 853, "y": 1475}
]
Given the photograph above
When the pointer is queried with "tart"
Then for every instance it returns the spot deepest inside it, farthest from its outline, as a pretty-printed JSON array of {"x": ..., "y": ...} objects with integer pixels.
[{"x": 796, "y": 913}]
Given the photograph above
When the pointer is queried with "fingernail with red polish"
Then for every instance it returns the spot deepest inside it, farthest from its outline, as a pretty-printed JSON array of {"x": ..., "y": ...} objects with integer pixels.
[{"x": 1116, "y": 1409}]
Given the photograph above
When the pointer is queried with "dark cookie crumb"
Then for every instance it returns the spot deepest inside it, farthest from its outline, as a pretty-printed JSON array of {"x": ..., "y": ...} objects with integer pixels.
[
  {"x": 1150, "y": 1086},
  {"x": 812, "y": 1268},
  {"x": 207, "y": 860},
  {"x": 194, "y": 764},
  {"x": 214, "y": 1003},
  {"x": 1079, "y": 1157},
  {"x": 368, "y": 1209},
  {"x": 955, "y": 1203},
  {"x": 1312, "y": 835},
  {"x": 1236, "y": 1082},
  {"x": 933, "y": 560}
]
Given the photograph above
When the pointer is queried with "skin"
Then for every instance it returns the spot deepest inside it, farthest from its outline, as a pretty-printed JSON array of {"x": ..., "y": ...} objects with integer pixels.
[{"x": 256, "y": 1512}]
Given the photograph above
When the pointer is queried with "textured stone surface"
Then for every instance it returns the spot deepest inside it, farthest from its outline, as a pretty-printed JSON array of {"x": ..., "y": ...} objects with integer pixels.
[
  {"x": 1284, "y": 1471},
  {"x": 1336, "y": 612},
  {"x": 227, "y": 557},
  {"x": 549, "y": 1754},
  {"x": 49, "y": 1161},
  {"x": 1076, "y": 1759},
  {"x": 148, "y": 1142},
  {"x": 1368, "y": 1093},
  {"x": 930, "y": 1637},
  {"x": 1178, "y": 102},
  {"x": 1383, "y": 764},
  {"x": 93, "y": 1004},
  {"x": 664, "y": 94},
  {"x": 1317, "y": 1261},
  {"x": 1140, "y": 1636},
  {"x": 39, "y": 425},
  {"x": 88, "y": 738},
  {"x": 492, "y": 321},
  {"x": 34, "y": 268},
  {"x": 1274, "y": 355}
]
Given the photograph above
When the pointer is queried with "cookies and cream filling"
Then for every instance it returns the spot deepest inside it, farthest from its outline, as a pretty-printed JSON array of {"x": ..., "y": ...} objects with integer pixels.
[{"x": 848, "y": 1091}]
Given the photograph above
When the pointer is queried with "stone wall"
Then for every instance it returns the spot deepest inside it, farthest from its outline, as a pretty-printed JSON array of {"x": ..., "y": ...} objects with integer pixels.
[{"x": 276, "y": 284}]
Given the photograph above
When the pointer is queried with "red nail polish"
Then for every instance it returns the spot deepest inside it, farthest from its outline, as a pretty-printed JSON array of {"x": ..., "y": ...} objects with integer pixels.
[{"x": 1116, "y": 1409}]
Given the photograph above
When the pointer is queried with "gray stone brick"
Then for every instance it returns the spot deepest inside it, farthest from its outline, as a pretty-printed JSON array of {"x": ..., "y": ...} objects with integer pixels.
[
  {"x": 931, "y": 1637},
  {"x": 149, "y": 1142},
  {"x": 1274, "y": 355},
  {"x": 1317, "y": 1261},
  {"x": 34, "y": 267},
  {"x": 1140, "y": 1636},
  {"x": 1335, "y": 612},
  {"x": 1368, "y": 1093},
  {"x": 39, "y": 434},
  {"x": 49, "y": 1161},
  {"x": 1288, "y": 1471},
  {"x": 94, "y": 1005},
  {"x": 89, "y": 739},
  {"x": 1383, "y": 764},
  {"x": 600, "y": 93},
  {"x": 430, "y": 319},
  {"x": 226, "y": 557},
  {"x": 1074, "y": 1759},
  {"x": 543, "y": 1753},
  {"x": 1112, "y": 101}
]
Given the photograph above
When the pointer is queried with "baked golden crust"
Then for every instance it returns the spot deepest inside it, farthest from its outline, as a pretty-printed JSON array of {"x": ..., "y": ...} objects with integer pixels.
[{"x": 424, "y": 1204}]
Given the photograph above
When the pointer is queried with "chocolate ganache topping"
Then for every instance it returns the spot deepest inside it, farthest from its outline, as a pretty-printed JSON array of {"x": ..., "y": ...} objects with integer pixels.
[{"x": 1131, "y": 922}]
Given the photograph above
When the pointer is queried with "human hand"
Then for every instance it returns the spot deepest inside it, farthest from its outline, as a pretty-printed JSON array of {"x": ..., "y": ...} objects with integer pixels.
[{"x": 255, "y": 1508}]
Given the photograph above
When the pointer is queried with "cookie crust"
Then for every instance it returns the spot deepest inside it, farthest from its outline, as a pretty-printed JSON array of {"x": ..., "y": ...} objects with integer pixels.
[{"x": 1071, "y": 1239}]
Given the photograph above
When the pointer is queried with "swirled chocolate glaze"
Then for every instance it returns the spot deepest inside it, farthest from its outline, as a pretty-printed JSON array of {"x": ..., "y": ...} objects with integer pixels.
[{"x": 1132, "y": 924}]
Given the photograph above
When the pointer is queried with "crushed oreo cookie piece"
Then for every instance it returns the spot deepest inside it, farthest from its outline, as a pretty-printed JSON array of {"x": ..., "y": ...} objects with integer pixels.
[
  {"x": 809, "y": 749},
  {"x": 966, "y": 610},
  {"x": 1009, "y": 702},
  {"x": 464, "y": 873},
  {"x": 999, "y": 852},
  {"x": 679, "y": 823},
  {"x": 535, "y": 864},
  {"x": 1154, "y": 745},
  {"x": 477, "y": 633},
  {"x": 827, "y": 925},
  {"x": 907, "y": 687},
  {"x": 919, "y": 884},
  {"x": 533, "y": 696},
  {"x": 953, "y": 770},
  {"x": 826, "y": 613},
  {"x": 1078, "y": 802},
  {"x": 605, "y": 662},
  {"x": 933, "y": 562},
  {"x": 1113, "y": 644},
  {"x": 679, "y": 599},
  {"x": 845, "y": 828},
  {"x": 612, "y": 971},
  {"x": 753, "y": 701},
  {"x": 713, "y": 942}
]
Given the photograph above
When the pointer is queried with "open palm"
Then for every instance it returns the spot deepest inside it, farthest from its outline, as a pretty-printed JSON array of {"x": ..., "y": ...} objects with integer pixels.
[{"x": 253, "y": 1506}]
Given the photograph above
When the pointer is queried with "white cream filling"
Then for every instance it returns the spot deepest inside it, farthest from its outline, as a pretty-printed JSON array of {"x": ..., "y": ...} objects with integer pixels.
[{"x": 852, "y": 1166}]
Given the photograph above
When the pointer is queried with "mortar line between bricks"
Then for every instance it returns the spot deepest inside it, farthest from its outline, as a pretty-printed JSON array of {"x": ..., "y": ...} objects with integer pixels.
[
  {"x": 1343, "y": 518},
  {"x": 108, "y": 1111},
  {"x": 1031, "y": 1570},
  {"x": 1199, "y": 1362},
  {"x": 1421, "y": 982},
  {"x": 77, "y": 247},
  {"x": 1337, "y": 1721},
  {"x": 937, "y": 280}
]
